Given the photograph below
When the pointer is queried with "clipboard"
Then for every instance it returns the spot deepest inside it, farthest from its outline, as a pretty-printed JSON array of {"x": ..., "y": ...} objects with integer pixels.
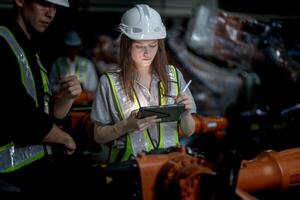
[{"x": 167, "y": 113}]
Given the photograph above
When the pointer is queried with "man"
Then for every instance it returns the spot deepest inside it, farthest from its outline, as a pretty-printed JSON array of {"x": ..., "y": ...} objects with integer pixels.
[
  {"x": 105, "y": 56},
  {"x": 74, "y": 64},
  {"x": 28, "y": 122}
]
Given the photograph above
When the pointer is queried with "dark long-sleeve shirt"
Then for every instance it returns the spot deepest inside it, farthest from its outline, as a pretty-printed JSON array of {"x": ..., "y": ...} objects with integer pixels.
[{"x": 21, "y": 121}]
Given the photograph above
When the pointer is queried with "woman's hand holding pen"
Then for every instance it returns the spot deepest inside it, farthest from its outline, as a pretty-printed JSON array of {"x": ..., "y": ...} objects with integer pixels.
[
  {"x": 187, "y": 122},
  {"x": 184, "y": 98}
]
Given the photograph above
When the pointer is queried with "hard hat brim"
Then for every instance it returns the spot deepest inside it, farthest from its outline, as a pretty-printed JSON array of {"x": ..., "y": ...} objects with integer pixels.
[{"x": 64, "y": 3}]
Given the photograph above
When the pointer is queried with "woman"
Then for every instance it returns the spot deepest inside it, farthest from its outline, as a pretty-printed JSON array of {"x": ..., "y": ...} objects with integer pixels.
[{"x": 144, "y": 79}]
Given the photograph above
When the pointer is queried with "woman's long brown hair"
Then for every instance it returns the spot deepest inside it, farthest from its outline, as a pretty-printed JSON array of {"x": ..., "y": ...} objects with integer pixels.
[{"x": 159, "y": 65}]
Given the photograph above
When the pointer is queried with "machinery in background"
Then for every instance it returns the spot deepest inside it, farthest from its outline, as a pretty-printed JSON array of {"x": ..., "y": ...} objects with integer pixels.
[
  {"x": 183, "y": 175},
  {"x": 193, "y": 172},
  {"x": 212, "y": 173},
  {"x": 271, "y": 170},
  {"x": 204, "y": 124},
  {"x": 256, "y": 130}
]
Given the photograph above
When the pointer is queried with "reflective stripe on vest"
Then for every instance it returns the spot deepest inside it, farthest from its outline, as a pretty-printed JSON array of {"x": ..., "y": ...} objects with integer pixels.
[
  {"x": 171, "y": 137},
  {"x": 137, "y": 141},
  {"x": 80, "y": 68},
  {"x": 26, "y": 74},
  {"x": 13, "y": 157},
  {"x": 45, "y": 79},
  {"x": 46, "y": 87}
]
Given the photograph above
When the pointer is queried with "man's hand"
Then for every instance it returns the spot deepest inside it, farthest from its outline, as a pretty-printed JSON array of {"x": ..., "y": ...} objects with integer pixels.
[
  {"x": 70, "y": 145},
  {"x": 71, "y": 86},
  {"x": 58, "y": 136}
]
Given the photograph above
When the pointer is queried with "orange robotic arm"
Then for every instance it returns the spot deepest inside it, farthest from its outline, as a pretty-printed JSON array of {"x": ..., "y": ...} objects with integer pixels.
[
  {"x": 270, "y": 170},
  {"x": 160, "y": 173},
  {"x": 85, "y": 97},
  {"x": 217, "y": 125}
]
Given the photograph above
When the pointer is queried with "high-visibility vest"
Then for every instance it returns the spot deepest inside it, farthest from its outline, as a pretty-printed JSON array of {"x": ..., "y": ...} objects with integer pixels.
[
  {"x": 138, "y": 141},
  {"x": 13, "y": 157},
  {"x": 81, "y": 64}
]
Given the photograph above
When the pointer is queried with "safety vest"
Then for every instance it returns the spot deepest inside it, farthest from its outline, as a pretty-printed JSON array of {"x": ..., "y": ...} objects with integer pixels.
[
  {"x": 81, "y": 64},
  {"x": 138, "y": 141},
  {"x": 13, "y": 157}
]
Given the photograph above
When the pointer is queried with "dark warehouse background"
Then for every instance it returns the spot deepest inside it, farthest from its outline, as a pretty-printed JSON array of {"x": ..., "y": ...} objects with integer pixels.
[{"x": 242, "y": 55}]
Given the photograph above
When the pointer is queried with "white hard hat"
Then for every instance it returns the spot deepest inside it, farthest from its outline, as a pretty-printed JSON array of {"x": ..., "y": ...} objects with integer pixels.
[
  {"x": 64, "y": 3},
  {"x": 142, "y": 23},
  {"x": 72, "y": 39}
]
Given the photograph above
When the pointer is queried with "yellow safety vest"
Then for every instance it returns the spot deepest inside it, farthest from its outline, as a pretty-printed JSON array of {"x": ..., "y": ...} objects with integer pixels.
[
  {"x": 81, "y": 64},
  {"x": 13, "y": 157},
  {"x": 138, "y": 141}
]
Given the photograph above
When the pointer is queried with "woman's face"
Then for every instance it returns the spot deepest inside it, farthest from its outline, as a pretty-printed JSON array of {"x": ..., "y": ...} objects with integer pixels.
[{"x": 143, "y": 52}]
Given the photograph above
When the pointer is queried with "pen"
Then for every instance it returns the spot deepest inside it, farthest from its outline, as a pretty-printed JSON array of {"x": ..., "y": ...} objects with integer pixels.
[{"x": 186, "y": 87}]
